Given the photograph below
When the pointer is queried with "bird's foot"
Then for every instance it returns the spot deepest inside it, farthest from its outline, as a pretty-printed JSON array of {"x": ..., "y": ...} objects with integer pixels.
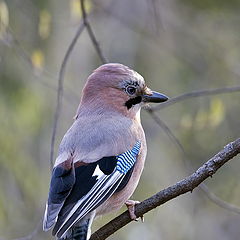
[{"x": 131, "y": 209}]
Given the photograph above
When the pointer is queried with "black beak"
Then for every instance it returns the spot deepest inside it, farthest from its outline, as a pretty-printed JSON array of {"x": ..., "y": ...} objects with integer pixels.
[{"x": 155, "y": 97}]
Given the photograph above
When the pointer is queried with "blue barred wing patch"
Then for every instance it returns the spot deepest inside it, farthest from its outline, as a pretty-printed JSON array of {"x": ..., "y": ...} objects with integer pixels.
[{"x": 127, "y": 159}]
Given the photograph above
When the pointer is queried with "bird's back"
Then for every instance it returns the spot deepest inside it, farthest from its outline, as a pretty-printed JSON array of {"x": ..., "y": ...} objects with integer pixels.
[{"x": 94, "y": 137}]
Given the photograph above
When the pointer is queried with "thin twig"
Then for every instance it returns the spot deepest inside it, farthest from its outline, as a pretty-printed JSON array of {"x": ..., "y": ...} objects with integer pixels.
[
  {"x": 166, "y": 129},
  {"x": 91, "y": 33},
  {"x": 63, "y": 68},
  {"x": 196, "y": 94},
  {"x": 218, "y": 201},
  {"x": 60, "y": 89},
  {"x": 181, "y": 187},
  {"x": 211, "y": 196},
  {"x": 13, "y": 42}
]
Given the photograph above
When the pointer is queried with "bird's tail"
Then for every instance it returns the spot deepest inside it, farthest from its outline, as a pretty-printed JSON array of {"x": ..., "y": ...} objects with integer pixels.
[{"x": 80, "y": 231}]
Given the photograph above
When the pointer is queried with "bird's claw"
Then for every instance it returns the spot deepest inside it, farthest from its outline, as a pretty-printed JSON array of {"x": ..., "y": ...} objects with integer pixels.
[{"x": 131, "y": 209}]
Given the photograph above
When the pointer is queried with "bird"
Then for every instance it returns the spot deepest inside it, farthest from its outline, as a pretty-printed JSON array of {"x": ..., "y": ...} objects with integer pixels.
[{"x": 101, "y": 157}]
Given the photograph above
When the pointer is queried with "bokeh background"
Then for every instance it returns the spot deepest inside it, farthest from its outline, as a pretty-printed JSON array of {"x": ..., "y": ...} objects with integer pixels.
[{"x": 179, "y": 46}]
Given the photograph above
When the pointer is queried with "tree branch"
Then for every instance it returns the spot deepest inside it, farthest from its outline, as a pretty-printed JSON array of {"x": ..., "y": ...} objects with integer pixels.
[
  {"x": 63, "y": 68},
  {"x": 91, "y": 33},
  {"x": 60, "y": 89},
  {"x": 221, "y": 203},
  {"x": 196, "y": 94},
  {"x": 203, "y": 187},
  {"x": 181, "y": 187},
  {"x": 13, "y": 43}
]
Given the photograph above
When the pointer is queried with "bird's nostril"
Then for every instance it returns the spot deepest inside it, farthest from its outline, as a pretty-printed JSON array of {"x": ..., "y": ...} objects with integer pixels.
[{"x": 148, "y": 91}]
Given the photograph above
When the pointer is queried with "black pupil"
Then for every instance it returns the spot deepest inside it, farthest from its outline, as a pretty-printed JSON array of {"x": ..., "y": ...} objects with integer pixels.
[{"x": 131, "y": 90}]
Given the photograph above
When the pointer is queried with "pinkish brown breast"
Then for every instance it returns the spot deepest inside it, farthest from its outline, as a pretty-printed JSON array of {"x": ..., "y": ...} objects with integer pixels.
[{"x": 118, "y": 199}]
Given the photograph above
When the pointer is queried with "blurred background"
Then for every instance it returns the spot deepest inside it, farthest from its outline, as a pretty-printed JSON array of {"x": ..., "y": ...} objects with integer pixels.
[{"x": 178, "y": 46}]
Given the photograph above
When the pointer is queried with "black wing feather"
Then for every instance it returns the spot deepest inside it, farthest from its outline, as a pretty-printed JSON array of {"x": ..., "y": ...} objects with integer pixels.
[
  {"x": 62, "y": 182},
  {"x": 107, "y": 164},
  {"x": 125, "y": 180},
  {"x": 83, "y": 183}
]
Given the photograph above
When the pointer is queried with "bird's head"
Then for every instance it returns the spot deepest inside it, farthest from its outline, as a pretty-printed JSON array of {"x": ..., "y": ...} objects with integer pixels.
[{"x": 115, "y": 87}]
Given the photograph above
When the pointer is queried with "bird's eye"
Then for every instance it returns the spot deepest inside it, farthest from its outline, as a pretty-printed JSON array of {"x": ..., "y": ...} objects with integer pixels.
[{"x": 131, "y": 90}]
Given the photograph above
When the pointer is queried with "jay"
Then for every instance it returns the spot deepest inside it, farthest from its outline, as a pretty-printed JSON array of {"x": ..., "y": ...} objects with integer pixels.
[{"x": 101, "y": 157}]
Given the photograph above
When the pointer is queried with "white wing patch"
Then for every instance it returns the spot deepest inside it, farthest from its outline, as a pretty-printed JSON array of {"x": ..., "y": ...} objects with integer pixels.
[{"x": 98, "y": 172}]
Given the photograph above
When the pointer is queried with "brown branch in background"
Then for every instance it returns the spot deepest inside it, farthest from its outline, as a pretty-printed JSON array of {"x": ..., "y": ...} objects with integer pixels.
[
  {"x": 60, "y": 89},
  {"x": 91, "y": 33},
  {"x": 203, "y": 187},
  {"x": 181, "y": 187},
  {"x": 196, "y": 94}
]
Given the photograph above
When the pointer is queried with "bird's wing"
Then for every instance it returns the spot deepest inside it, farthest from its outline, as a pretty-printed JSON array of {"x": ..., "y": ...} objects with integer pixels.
[
  {"x": 62, "y": 182},
  {"x": 81, "y": 188}
]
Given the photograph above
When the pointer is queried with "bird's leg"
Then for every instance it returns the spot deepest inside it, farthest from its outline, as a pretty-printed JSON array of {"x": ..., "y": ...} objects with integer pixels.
[{"x": 131, "y": 209}]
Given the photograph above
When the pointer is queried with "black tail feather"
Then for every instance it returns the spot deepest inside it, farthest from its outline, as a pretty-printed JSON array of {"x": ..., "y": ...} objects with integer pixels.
[{"x": 78, "y": 232}]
